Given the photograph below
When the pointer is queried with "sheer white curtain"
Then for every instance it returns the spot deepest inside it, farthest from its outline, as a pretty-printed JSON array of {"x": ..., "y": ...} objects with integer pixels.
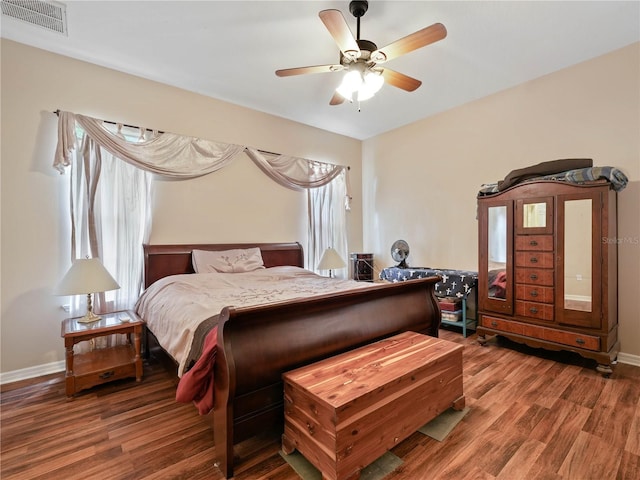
[
  {"x": 110, "y": 215},
  {"x": 328, "y": 222}
]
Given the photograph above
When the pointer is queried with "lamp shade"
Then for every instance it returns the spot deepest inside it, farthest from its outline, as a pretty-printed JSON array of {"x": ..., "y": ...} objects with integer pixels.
[
  {"x": 86, "y": 275},
  {"x": 331, "y": 260}
]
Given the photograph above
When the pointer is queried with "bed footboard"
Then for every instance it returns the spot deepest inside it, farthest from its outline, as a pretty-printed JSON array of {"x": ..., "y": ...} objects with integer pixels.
[{"x": 256, "y": 345}]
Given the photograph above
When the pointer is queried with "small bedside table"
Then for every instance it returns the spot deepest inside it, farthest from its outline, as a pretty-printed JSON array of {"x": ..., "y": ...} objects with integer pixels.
[
  {"x": 88, "y": 369},
  {"x": 362, "y": 266}
]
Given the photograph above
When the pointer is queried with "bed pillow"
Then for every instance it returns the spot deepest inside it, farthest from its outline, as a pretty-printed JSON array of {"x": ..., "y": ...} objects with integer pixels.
[{"x": 227, "y": 261}]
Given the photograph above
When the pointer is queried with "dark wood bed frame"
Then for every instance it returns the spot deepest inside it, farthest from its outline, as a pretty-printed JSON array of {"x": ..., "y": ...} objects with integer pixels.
[{"x": 256, "y": 345}]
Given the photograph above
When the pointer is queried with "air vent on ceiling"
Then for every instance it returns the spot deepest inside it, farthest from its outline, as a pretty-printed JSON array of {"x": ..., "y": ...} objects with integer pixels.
[{"x": 48, "y": 15}]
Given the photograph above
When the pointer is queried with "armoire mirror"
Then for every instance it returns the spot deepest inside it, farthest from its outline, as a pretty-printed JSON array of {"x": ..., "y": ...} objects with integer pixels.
[
  {"x": 497, "y": 254},
  {"x": 534, "y": 215},
  {"x": 577, "y": 255}
]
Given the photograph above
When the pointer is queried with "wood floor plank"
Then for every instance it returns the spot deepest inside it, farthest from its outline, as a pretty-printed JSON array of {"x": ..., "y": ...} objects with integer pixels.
[
  {"x": 559, "y": 376},
  {"x": 531, "y": 416},
  {"x": 629, "y": 467},
  {"x": 611, "y": 418},
  {"x": 632, "y": 444},
  {"x": 560, "y": 414},
  {"x": 603, "y": 459},
  {"x": 560, "y": 436},
  {"x": 584, "y": 391},
  {"x": 527, "y": 454}
]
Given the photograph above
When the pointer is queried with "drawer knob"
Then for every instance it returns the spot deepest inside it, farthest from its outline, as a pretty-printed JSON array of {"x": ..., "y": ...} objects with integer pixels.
[
  {"x": 533, "y": 243},
  {"x": 533, "y": 310},
  {"x": 311, "y": 428},
  {"x": 533, "y": 276},
  {"x": 534, "y": 260},
  {"x": 579, "y": 341},
  {"x": 494, "y": 324},
  {"x": 534, "y": 293},
  {"x": 106, "y": 375}
]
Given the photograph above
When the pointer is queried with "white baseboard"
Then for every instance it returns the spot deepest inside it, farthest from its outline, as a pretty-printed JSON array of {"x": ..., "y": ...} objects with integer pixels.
[
  {"x": 629, "y": 359},
  {"x": 32, "y": 372}
]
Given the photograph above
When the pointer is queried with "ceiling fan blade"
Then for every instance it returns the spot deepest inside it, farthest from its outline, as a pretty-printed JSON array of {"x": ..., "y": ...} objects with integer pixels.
[
  {"x": 412, "y": 42},
  {"x": 337, "y": 99},
  {"x": 400, "y": 80},
  {"x": 287, "y": 72},
  {"x": 339, "y": 30}
]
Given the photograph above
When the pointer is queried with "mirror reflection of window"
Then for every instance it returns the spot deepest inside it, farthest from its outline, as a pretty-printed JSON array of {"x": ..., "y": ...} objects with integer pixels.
[
  {"x": 577, "y": 255},
  {"x": 497, "y": 254},
  {"x": 535, "y": 215}
]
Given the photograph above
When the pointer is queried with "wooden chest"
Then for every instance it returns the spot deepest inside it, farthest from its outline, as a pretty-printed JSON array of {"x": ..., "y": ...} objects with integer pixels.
[{"x": 344, "y": 412}]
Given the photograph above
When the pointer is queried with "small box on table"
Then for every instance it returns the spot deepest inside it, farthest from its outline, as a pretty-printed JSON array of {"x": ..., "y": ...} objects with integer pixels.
[
  {"x": 451, "y": 316},
  {"x": 343, "y": 412},
  {"x": 449, "y": 304}
]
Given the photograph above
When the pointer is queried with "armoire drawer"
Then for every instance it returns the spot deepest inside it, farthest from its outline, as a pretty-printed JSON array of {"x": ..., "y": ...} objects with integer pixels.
[
  {"x": 534, "y": 259},
  {"x": 542, "y": 311},
  {"x": 534, "y": 242},
  {"x": 503, "y": 325},
  {"x": 579, "y": 340},
  {"x": 535, "y": 276},
  {"x": 535, "y": 293}
]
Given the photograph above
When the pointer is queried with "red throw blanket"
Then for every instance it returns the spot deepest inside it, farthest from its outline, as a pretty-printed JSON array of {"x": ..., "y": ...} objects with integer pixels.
[{"x": 196, "y": 385}]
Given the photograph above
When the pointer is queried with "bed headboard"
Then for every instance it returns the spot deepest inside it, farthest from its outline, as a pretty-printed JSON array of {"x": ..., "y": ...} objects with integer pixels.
[{"x": 163, "y": 260}]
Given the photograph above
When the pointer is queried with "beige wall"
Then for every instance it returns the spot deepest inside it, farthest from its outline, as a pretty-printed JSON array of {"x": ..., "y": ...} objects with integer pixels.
[
  {"x": 237, "y": 204},
  {"x": 421, "y": 180}
]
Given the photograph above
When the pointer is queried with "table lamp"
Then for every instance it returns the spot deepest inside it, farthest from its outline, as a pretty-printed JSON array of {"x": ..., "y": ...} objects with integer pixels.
[
  {"x": 330, "y": 261},
  {"x": 87, "y": 276}
]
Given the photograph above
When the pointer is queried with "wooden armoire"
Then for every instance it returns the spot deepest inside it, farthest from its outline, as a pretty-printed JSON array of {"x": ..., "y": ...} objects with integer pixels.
[{"x": 548, "y": 268}]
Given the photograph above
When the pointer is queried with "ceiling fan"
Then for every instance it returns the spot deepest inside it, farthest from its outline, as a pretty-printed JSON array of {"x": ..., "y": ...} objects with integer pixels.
[{"x": 361, "y": 59}]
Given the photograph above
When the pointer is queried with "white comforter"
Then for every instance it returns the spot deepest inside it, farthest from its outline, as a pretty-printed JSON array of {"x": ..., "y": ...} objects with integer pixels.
[{"x": 174, "y": 306}]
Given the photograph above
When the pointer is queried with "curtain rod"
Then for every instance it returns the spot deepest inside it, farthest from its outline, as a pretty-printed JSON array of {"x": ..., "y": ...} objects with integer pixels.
[{"x": 57, "y": 112}]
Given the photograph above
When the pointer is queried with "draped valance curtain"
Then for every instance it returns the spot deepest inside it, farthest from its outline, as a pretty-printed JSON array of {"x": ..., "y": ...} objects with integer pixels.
[{"x": 180, "y": 157}]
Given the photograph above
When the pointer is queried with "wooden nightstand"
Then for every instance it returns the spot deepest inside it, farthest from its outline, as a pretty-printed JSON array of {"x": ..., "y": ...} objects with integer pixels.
[{"x": 88, "y": 369}]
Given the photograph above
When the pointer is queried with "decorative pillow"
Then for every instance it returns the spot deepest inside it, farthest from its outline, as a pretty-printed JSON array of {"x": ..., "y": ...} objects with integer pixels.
[{"x": 227, "y": 261}]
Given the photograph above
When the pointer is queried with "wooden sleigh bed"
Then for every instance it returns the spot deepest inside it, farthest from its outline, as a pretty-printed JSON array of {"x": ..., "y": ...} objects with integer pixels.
[{"x": 248, "y": 391}]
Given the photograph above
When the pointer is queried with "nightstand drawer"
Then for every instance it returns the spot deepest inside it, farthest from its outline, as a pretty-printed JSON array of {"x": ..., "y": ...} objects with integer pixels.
[{"x": 103, "y": 365}]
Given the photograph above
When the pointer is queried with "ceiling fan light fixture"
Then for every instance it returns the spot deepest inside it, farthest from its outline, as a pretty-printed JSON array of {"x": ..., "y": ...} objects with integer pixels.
[
  {"x": 373, "y": 81},
  {"x": 378, "y": 57},
  {"x": 359, "y": 57},
  {"x": 351, "y": 83},
  {"x": 363, "y": 85},
  {"x": 352, "y": 55}
]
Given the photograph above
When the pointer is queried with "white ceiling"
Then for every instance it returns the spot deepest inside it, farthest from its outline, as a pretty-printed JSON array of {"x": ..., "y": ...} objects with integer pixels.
[{"x": 229, "y": 50}]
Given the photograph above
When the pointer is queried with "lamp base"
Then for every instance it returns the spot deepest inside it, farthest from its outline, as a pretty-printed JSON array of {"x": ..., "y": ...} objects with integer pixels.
[{"x": 90, "y": 317}]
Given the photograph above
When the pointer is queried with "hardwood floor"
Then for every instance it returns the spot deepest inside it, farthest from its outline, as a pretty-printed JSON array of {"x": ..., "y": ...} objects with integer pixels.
[{"x": 532, "y": 416}]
